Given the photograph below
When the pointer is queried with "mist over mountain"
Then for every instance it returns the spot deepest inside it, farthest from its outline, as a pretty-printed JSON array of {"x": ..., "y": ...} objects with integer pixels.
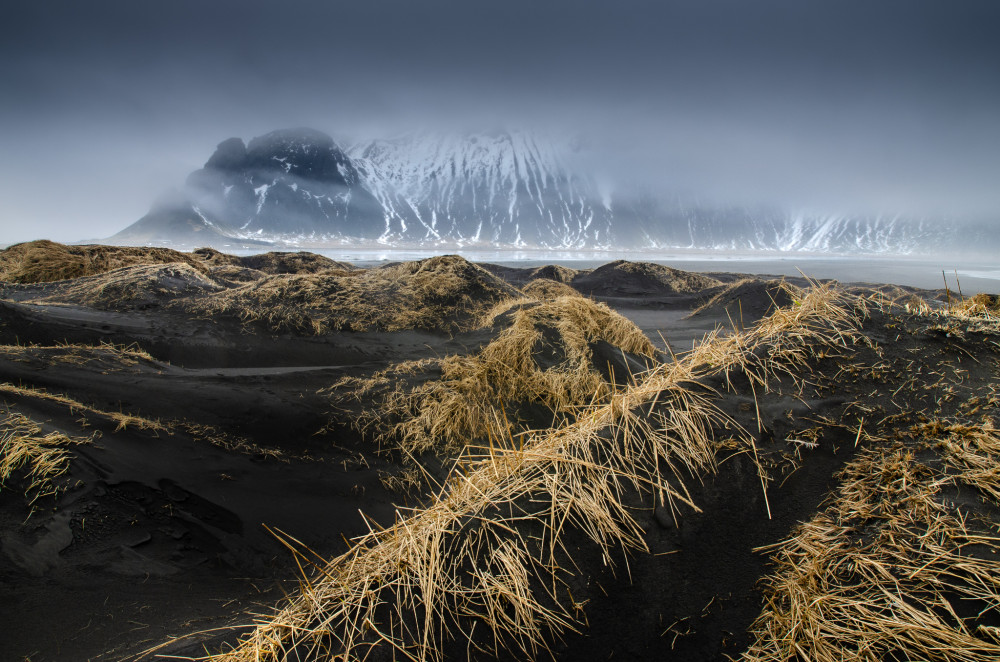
[
  {"x": 499, "y": 189},
  {"x": 505, "y": 188}
]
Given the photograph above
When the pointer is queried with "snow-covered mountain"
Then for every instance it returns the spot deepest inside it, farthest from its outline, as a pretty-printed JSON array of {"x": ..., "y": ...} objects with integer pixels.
[
  {"x": 289, "y": 184},
  {"x": 679, "y": 224},
  {"x": 502, "y": 189}
]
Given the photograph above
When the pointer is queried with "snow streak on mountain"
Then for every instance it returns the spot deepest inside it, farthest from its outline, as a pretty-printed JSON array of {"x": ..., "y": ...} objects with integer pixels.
[{"x": 503, "y": 189}]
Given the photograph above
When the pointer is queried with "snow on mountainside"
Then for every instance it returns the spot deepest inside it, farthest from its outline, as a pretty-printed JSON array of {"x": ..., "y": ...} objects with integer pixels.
[
  {"x": 501, "y": 188},
  {"x": 504, "y": 189},
  {"x": 685, "y": 225}
]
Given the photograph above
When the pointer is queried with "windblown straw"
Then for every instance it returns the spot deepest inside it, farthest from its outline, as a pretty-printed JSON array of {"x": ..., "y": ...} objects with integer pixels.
[
  {"x": 893, "y": 569},
  {"x": 488, "y": 565}
]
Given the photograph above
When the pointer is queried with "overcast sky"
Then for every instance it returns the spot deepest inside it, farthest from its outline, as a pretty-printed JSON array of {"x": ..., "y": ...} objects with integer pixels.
[{"x": 870, "y": 105}]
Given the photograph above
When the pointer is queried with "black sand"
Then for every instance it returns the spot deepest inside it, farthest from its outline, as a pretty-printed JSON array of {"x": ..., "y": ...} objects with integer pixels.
[{"x": 175, "y": 530}]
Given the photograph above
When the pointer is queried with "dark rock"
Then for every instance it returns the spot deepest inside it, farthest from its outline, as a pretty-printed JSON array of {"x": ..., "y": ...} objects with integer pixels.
[{"x": 231, "y": 154}]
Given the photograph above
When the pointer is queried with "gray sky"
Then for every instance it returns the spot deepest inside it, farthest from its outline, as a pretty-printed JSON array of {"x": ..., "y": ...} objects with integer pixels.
[{"x": 872, "y": 106}]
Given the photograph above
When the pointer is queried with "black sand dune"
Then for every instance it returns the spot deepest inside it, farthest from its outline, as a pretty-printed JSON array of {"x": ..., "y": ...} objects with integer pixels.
[
  {"x": 185, "y": 440},
  {"x": 639, "y": 279},
  {"x": 751, "y": 298}
]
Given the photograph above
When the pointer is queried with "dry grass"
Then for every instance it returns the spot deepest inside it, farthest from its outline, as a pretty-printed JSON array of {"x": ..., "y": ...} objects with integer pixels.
[
  {"x": 462, "y": 560},
  {"x": 555, "y": 272},
  {"x": 110, "y": 356},
  {"x": 977, "y": 313},
  {"x": 120, "y": 419},
  {"x": 43, "y": 458},
  {"x": 234, "y": 276},
  {"x": 985, "y": 307},
  {"x": 46, "y": 261},
  {"x": 124, "y": 421},
  {"x": 404, "y": 481},
  {"x": 132, "y": 287},
  {"x": 543, "y": 288},
  {"x": 543, "y": 358},
  {"x": 487, "y": 564},
  {"x": 893, "y": 569},
  {"x": 783, "y": 342},
  {"x": 446, "y": 293},
  {"x": 297, "y": 262}
]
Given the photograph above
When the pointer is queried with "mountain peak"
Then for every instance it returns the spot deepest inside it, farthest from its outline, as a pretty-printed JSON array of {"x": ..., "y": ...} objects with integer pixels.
[
  {"x": 291, "y": 140},
  {"x": 229, "y": 155}
]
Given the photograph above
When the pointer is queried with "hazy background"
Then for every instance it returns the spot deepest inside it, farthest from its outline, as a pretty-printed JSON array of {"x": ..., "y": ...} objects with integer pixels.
[{"x": 846, "y": 106}]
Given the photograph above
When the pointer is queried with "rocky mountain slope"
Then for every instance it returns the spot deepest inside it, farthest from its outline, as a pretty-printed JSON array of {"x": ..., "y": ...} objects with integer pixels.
[{"x": 503, "y": 189}]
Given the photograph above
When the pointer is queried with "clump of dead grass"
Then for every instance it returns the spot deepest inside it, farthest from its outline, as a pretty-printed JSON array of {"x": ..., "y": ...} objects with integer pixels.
[
  {"x": 980, "y": 312},
  {"x": 544, "y": 288},
  {"x": 108, "y": 355},
  {"x": 784, "y": 341},
  {"x": 129, "y": 288},
  {"x": 462, "y": 560},
  {"x": 555, "y": 272},
  {"x": 441, "y": 293},
  {"x": 893, "y": 569},
  {"x": 984, "y": 307},
  {"x": 234, "y": 276},
  {"x": 544, "y": 357},
  {"x": 122, "y": 420},
  {"x": 46, "y": 261},
  {"x": 491, "y": 552},
  {"x": 42, "y": 458}
]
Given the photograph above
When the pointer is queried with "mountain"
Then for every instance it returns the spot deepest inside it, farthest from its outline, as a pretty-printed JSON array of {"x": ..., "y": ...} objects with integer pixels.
[
  {"x": 500, "y": 188},
  {"x": 503, "y": 189},
  {"x": 298, "y": 187},
  {"x": 288, "y": 185}
]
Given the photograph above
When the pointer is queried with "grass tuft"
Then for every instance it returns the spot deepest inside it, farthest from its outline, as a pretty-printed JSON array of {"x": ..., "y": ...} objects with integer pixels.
[
  {"x": 42, "y": 457},
  {"x": 47, "y": 261},
  {"x": 893, "y": 569}
]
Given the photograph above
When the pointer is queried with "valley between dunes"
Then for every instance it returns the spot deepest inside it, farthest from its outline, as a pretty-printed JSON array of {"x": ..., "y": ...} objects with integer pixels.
[{"x": 283, "y": 457}]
